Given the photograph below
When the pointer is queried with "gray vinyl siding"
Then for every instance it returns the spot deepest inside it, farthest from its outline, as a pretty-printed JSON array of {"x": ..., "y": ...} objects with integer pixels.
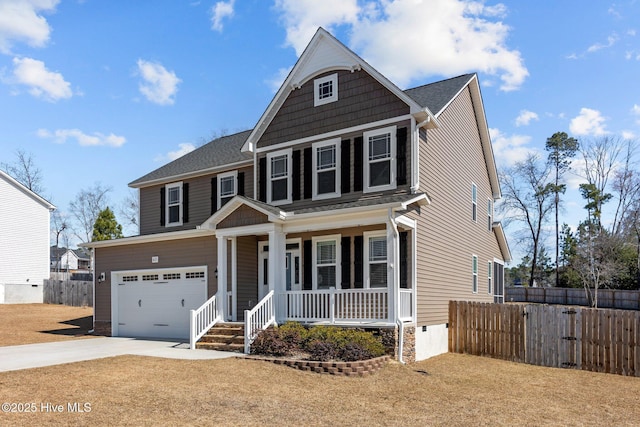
[
  {"x": 243, "y": 216},
  {"x": 247, "y": 285},
  {"x": 351, "y": 196},
  {"x": 199, "y": 203},
  {"x": 450, "y": 160},
  {"x": 171, "y": 254},
  {"x": 361, "y": 99}
]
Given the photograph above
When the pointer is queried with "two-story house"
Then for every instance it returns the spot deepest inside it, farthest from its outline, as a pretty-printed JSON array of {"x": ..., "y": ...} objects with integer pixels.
[{"x": 351, "y": 202}]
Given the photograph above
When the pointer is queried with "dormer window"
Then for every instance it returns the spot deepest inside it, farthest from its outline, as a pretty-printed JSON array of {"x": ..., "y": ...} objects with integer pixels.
[{"x": 325, "y": 90}]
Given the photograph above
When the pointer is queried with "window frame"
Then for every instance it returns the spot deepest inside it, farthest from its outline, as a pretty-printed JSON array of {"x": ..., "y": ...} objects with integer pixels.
[
  {"x": 391, "y": 131},
  {"x": 367, "y": 236},
  {"x": 317, "y": 83},
  {"x": 336, "y": 238},
  {"x": 489, "y": 214},
  {"x": 169, "y": 205},
  {"x": 474, "y": 202},
  {"x": 335, "y": 142},
  {"x": 287, "y": 152},
  {"x": 474, "y": 271},
  {"x": 490, "y": 277},
  {"x": 234, "y": 178}
]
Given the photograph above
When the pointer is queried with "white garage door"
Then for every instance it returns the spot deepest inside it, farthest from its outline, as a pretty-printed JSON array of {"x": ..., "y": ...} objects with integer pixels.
[{"x": 156, "y": 304}]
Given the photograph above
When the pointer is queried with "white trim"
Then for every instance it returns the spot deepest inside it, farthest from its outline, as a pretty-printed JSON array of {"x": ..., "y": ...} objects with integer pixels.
[
  {"x": 391, "y": 131},
  {"x": 167, "y": 206},
  {"x": 317, "y": 101},
  {"x": 234, "y": 278},
  {"x": 234, "y": 176},
  {"x": 194, "y": 174},
  {"x": 335, "y": 133},
  {"x": 367, "y": 235},
  {"x": 338, "y": 162},
  {"x": 26, "y": 191},
  {"x": 314, "y": 254},
  {"x": 270, "y": 156},
  {"x": 151, "y": 238}
]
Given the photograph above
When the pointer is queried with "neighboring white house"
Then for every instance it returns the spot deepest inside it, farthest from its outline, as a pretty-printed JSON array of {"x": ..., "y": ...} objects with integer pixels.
[{"x": 24, "y": 242}]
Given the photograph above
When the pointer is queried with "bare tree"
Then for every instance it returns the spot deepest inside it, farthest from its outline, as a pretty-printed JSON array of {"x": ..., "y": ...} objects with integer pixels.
[
  {"x": 625, "y": 186},
  {"x": 527, "y": 197},
  {"x": 86, "y": 207},
  {"x": 25, "y": 171},
  {"x": 130, "y": 211}
]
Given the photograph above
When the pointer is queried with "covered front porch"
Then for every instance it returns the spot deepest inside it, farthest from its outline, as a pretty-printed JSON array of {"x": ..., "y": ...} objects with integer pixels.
[{"x": 347, "y": 270}]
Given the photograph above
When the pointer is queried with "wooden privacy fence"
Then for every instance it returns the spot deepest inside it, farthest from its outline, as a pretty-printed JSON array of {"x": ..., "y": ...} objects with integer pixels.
[
  {"x": 76, "y": 293},
  {"x": 599, "y": 340}
]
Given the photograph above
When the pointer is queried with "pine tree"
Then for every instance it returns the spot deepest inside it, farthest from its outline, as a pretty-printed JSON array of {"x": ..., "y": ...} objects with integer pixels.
[{"x": 106, "y": 227}]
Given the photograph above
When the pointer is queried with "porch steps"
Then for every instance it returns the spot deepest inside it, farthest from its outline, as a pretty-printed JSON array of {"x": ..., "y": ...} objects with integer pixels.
[{"x": 223, "y": 337}]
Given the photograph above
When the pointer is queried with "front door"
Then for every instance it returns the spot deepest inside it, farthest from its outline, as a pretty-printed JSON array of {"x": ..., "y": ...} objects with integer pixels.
[{"x": 293, "y": 268}]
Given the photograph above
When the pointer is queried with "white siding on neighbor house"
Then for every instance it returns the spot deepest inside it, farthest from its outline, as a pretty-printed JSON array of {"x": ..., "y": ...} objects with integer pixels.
[{"x": 24, "y": 236}]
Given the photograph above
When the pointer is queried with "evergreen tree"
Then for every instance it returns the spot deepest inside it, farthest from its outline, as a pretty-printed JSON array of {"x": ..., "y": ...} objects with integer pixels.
[{"x": 106, "y": 227}]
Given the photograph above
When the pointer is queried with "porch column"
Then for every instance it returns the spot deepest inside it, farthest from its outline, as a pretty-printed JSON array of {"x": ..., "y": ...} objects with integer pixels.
[
  {"x": 393, "y": 266},
  {"x": 277, "y": 269},
  {"x": 221, "y": 296}
]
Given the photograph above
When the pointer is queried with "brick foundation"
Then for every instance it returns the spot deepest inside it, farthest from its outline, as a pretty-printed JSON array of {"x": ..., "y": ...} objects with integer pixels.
[
  {"x": 350, "y": 369},
  {"x": 102, "y": 327}
]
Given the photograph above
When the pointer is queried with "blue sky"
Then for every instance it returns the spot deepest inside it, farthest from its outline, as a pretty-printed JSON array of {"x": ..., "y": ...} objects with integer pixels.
[{"x": 106, "y": 91}]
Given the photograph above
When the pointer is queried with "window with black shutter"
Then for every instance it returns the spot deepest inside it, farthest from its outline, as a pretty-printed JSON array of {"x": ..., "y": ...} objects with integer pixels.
[
  {"x": 262, "y": 166},
  {"x": 185, "y": 202},
  {"x": 308, "y": 173},
  {"x": 163, "y": 204},
  {"x": 214, "y": 195},
  {"x": 401, "y": 156},
  {"x": 358, "y": 264},
  {"x": 307, "y": 249},
  {"x": 345, "y": 246},
  {"x": 357, "y": 163},
  {"x": 345, "y": 166},
  {"x": 295, "y": 185}
]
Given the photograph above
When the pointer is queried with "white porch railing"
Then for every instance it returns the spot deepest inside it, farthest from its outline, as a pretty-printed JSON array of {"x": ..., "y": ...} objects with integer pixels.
[
  {"x": 202, "y": 319},
  {"x": 258, "y": 319},
  {"x": 337, "y": 305},
  {"x": 406, "y": 305}
]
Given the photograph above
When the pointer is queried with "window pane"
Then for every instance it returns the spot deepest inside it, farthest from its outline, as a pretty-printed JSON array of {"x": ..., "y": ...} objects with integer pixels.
[
  {"x": 378, "y": 249},
  {"x": 279, "y": 166},
  {"x": 326, "y": 252},
  {"x": 279, "y": 189},
  {"x": 224, "y": 200},
  {"x": 325, "y": 90},
  {"x": 174, "y": 195},
  {"x": 326, "y": 277},
  {"x": 326, "y": 157},
  {"x": 380, "y": 173},
  {"x": 174, "y": 214},
  {"x": 380, "y": 147},
  {"x": 378, "y": 275},
  {"x": 227, "y": 186},
  {"x": 327, "y": 182}
]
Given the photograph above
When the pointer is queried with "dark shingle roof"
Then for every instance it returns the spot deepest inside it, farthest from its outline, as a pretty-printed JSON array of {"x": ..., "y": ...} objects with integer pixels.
[
  {"x": 217, "y": 153},
  {"x": 364, "y": 202},
  {"x": 436, "y": 95}
]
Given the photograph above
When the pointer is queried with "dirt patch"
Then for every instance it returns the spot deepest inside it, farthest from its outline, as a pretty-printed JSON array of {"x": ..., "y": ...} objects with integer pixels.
[
  {"x": 451, "y": 389},
  {"x": 36, "y": 323}
]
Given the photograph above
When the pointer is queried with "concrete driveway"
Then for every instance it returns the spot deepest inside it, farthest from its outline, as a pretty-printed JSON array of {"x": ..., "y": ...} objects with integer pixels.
[{"x": 27, "y": 356}]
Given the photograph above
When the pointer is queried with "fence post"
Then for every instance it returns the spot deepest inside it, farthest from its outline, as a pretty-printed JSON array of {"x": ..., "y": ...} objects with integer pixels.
[{"x": 332, "y": 305}]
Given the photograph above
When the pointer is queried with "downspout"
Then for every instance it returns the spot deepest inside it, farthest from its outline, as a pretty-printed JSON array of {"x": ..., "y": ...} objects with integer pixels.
[{"x": 396, "y": 283}]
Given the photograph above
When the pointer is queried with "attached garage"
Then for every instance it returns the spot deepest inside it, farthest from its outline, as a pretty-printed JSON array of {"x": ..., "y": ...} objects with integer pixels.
[{"x": 156, "y": 303}]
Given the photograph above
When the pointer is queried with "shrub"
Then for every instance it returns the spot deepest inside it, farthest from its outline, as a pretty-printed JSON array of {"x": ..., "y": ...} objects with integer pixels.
[
  {"x": 270, "y": 343},
  {"x": 321, "y": 350}
]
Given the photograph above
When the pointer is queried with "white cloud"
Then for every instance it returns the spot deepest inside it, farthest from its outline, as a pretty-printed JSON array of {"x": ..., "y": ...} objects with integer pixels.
[
  {"x": 181, "y": 151},
  {"x": 611, "y": 40},
  {"x": 588, "y": 122},
  {"x": 525, "y": 117},
  {"x": 219, "y": 12},
  {"x": 509, "y": 149},
  {"x": 61, "y": 136},
  {"x": 21, "y": 21},
  {"x": 159, "y": 85},
  {"x": 635, "y": 111},
  {"x": 42, "y": 83},
  {"x": 447, "y": 37},
  {"x": 627, "y": 134}
]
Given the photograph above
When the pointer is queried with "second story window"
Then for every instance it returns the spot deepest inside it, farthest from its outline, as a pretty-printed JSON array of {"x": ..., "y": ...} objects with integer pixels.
[
  {"x": 489, "y": 215},
  {"x": 278, "y": 172},
  {"x": 227, "y": 187},
  {"x": 326, "y": 161},
  {"x": 325, "y": 90},
  {"x": 380, "y": 159},
  {"x": 474, "y": 202},
  {"x": 174, "y": 204}
]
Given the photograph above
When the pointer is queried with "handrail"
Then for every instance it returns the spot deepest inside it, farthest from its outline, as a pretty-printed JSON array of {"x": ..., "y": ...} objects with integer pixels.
[
  {"x": 202, "y": 319},
  {"x": 258, "y": 319}
]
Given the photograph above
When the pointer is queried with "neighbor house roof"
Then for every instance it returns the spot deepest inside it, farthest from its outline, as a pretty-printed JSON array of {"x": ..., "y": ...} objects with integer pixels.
[
  {"x": 12, "y": 181},
  {"x": 436, "y": 96},
  {"x": 219, "y": 154}
]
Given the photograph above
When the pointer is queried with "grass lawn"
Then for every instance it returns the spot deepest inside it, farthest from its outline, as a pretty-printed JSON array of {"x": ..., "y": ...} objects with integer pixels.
[{"x": 451, "y": 389}]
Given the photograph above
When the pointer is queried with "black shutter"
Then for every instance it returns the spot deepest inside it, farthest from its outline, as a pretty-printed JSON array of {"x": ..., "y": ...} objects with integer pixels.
[
  {"x": 307, "y": 259},
  {"x": 401, "y": 156},
  {"x": 358, "y": 265},
  {"x": 308, "y": 171},
  {"x": 240, "y": 191},
  {"x": 404, "y": 262},
  {"x": 345, "y": 248},
  {"x": 357, "y": 164},
  {"x": 345, "y": 166},
  {"x": 295, "y": 188},
  {"x": 214, "y": 194},
  {"x": 163, "y": 209},
  {"x": 262, "y": 165},
  {"x": 185, "y": 202}
]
